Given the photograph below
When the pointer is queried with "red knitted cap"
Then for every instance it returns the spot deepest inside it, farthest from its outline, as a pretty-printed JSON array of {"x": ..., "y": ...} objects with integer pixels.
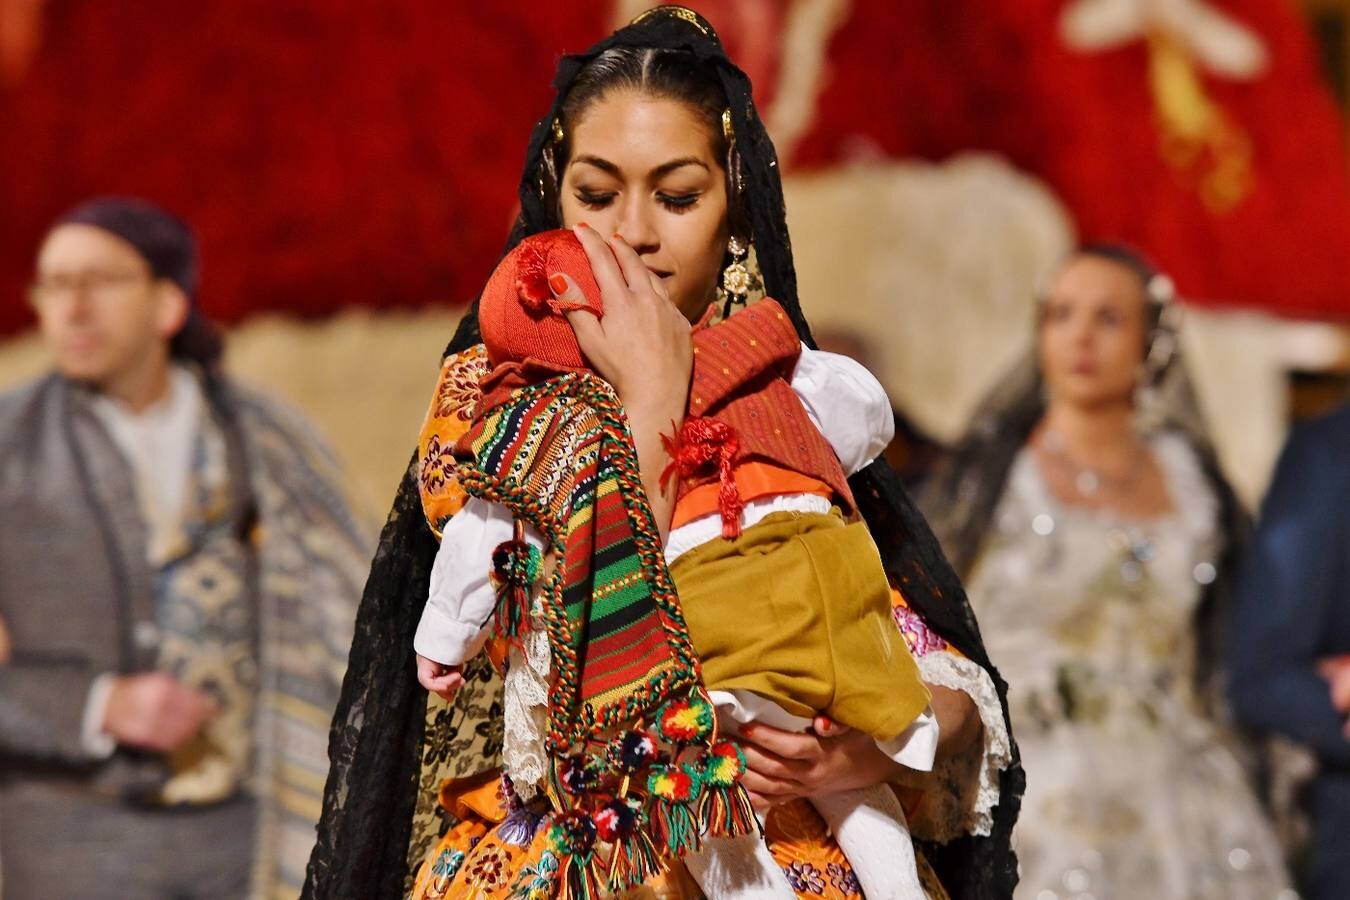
[{"x": 518, "y": 316}]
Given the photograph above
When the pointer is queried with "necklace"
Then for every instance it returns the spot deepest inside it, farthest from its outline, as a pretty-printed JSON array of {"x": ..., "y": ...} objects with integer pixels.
[{"x": 1087, "y": 480}]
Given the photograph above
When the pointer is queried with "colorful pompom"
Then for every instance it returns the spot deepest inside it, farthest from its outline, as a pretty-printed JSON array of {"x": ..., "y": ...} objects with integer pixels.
[
  {"x": 580, "y": 775},
  {"x": 686, "y": 721},
  {"x": 515, "y": 568},
  {"x": 725, "y": 808},
  {"x": 672, "y": 783},
  {"x": 572, "y": 834},
  {"x": 631, "y": 752},
  {"x": 616, "y": 820},
  {"x": 722, "y": 765},
  {"x": 634, "y": 858},
  {"x": 515, "y": 563}
]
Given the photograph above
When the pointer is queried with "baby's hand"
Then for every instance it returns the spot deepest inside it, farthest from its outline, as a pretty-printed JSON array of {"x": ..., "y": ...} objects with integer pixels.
[{"x": 438, "y": 678}]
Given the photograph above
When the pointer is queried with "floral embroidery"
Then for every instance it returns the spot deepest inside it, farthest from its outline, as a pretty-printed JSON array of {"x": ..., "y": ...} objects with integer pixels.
[
  {"x": 443, "y": 871},
  {"x": 843, "y": 879},
  {"x": 438, "y": 465},
  {"x": 537, "y": 882},
  {"x": 458, "y": 392},
  {"x": 805, "y": 878},
  {"x": 920, "y": 638},
  {"x": 447, "y": 863},
  {"x": 489, "y": 868}
]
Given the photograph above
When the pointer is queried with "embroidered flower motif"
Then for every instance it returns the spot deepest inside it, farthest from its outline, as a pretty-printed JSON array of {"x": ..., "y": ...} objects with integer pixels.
[
  {"x": 805, "y": 878},
  {"x": 920, "y": 638},
  {"x": 438, "y": 466},
  {"x": 447, "y": 863},
  {"x": 488, "y": 870},
  {"x": 459, "y": 392},
  {"x": 843, "y": 879},
  {"x": 443, "y": 871},
  {"x": 538, "y": 882}
]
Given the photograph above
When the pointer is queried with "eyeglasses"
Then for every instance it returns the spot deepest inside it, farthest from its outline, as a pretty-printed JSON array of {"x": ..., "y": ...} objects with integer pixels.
[{"x": 96, "y": 283}]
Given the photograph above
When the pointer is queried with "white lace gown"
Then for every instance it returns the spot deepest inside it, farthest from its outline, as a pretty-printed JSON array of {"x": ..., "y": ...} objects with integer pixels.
[{"x": 1131, "y": 791}]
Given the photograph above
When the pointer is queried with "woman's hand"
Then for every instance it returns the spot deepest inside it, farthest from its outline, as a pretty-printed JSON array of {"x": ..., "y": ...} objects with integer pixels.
[
  {"x": 641, "y": 346},
  {"x": 785, "y": 765}
]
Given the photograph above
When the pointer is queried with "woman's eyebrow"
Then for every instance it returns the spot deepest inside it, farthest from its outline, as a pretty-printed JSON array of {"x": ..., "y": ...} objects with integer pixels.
[
  {"x": 666, "y": 168},
  {"x": 656, "y": 174},
  {"x": 603, "y": 165}
]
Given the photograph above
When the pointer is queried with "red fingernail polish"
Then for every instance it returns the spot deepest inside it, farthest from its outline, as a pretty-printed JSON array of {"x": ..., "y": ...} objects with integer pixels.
[
  {"x": 558, "y": 283},
  {"x": 619, "y": 237},
  {"x": 583, "y": 225}
]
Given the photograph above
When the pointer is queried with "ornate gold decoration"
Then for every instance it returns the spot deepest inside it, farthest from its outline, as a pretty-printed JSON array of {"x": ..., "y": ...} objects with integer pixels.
[
  {"x": 1198, "y": 138},
  {"x": 735, "y": 277},
  {"x": 678, "y": 12}
]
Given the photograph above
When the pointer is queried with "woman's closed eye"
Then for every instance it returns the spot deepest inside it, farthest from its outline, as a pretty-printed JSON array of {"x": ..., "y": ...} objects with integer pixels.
[
  {"x": 594, "y": 199},
  {"x": 673, "y": 202},
  {"x": 678, "y": 202}
]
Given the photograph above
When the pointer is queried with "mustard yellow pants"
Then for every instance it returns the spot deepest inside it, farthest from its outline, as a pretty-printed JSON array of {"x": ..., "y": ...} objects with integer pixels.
[{"x": 798, "y": 610}]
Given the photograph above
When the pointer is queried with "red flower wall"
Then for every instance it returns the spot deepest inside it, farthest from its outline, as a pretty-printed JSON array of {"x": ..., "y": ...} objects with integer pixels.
[
  {"x": 995, "y": 75},
  {"x": 329, "y": 152},
  {"x": 334, "y": 153}
]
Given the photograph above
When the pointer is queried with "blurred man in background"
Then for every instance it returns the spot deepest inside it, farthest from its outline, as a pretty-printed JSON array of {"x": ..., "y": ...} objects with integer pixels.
[
  {"x": 178, "y": 579},
  {"x": 1291, "y": 630}
]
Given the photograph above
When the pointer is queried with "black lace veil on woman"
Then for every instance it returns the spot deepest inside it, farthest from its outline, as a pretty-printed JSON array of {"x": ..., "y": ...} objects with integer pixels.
[{"x": 376, "y": 742}]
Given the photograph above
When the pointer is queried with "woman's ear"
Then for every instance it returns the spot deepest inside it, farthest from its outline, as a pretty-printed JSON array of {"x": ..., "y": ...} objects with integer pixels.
[{"x": 172, "y": 309}]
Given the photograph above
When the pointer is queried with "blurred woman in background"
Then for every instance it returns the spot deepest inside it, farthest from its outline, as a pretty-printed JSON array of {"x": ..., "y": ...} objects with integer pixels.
[{"x": 1094, "y": 531}]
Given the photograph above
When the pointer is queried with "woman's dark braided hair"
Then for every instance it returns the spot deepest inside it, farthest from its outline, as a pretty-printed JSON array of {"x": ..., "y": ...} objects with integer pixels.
[{"x": 377, "y": 732}]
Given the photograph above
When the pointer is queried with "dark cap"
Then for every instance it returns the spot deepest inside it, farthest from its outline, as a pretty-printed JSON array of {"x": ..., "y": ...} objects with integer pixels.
[{"x": 169, "y": 248}]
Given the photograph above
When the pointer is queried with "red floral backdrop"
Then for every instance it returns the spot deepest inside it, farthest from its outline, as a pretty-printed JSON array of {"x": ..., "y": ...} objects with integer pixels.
[
  {"x": 996, "y": 75},
  {"x": 336, "y": 153},
  {"x": 330, "y": 152}
]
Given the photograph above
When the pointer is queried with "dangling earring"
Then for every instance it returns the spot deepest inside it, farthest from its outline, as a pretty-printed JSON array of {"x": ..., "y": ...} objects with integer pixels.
[
  {"x": 735, "y": 277},
  {"x": 1147, "y": 408}
]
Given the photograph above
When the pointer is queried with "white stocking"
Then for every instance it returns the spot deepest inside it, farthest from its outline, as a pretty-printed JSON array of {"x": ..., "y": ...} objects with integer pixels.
[
  {"x": 738, "y": 867},
  {"x": 869, "y": 826}
]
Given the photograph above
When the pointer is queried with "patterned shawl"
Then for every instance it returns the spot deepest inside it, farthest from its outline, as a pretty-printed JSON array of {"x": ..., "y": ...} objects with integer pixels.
[{"x": 559, "y": 455}]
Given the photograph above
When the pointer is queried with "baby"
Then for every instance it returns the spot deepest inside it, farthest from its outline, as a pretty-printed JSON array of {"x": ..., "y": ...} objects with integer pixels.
[{"x": 782, "y": 589}]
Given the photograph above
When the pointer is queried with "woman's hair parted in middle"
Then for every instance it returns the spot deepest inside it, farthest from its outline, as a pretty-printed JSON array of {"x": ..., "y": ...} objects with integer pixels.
[{"x": 660, "y": 73}]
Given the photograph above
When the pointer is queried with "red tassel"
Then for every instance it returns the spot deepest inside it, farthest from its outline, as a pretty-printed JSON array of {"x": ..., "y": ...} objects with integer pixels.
[
  {"x": 700, "y": 444},
  {"x": 532, "y": 280}
]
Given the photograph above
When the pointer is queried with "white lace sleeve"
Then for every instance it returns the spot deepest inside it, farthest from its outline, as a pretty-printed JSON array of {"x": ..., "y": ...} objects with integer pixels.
[{"x": 962, "y": 790}]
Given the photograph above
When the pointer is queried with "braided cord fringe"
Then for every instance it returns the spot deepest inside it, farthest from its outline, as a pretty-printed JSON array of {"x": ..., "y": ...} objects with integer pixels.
[{"x": 567, "y": 725}]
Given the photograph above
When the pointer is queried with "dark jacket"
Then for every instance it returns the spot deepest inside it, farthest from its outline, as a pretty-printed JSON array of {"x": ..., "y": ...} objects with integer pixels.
[{"x": 1292, "y": 609}]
